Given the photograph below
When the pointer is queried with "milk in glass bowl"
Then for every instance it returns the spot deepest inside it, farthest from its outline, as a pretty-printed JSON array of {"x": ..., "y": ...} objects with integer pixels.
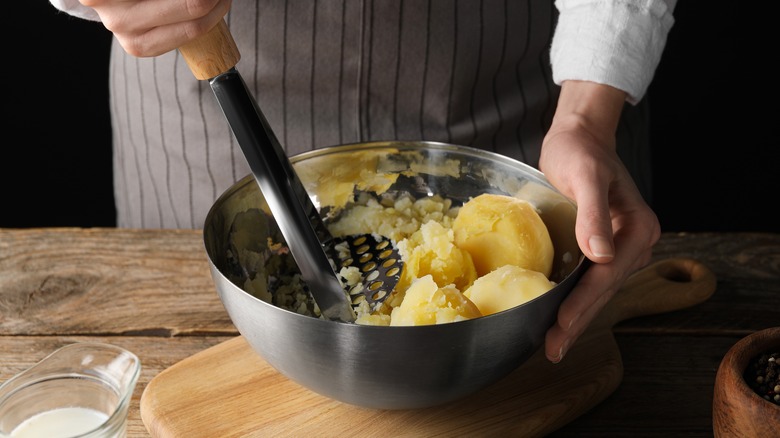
[{"x": 79, "y": 390}]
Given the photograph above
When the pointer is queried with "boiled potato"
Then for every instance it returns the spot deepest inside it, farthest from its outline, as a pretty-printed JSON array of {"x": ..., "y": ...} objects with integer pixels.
[
  {"x": 507, "y": 287},
  {"x": 426, "y": 303},
  {"x": 501, "y": 230},
  {"x": 432, "y": 251}
]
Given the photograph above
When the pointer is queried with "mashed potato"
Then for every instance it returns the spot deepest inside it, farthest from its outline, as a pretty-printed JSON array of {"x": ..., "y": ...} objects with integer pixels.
[
  {"x": 431, "y": 251},
  {"x": 426, "y": 303},
  {"x": 491, "y": 254},
  {"x": 397, "y": 220}
]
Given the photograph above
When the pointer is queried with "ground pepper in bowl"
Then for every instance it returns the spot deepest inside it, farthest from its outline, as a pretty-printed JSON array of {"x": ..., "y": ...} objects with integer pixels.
[{"x": 763, "y": 376}]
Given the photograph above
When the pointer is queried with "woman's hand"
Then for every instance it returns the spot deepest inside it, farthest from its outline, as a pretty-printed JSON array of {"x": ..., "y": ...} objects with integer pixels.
[
  {"x": 615, "y": 228},
  {"x": 148, "y": 28}
]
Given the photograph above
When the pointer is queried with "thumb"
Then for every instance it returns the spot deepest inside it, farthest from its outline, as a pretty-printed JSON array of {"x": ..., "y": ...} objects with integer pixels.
[{"x": 594, "y": 226}]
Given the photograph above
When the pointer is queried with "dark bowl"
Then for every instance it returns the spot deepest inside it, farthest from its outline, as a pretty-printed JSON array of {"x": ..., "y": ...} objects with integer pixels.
[{"x": 737, "y": 410}]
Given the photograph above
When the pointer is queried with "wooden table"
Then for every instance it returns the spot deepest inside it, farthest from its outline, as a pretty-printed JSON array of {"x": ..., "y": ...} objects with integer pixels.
[{"x": 150, "y": 291}]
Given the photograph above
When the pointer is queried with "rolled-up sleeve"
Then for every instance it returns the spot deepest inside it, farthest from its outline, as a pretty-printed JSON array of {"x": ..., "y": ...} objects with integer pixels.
[
  {"x": 613, "y": 42},
  {"x": 76, "y": 9}
]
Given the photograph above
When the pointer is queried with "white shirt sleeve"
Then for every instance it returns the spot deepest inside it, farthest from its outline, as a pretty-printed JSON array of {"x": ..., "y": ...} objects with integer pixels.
[
  {"x": 76, "y": 9},
  {"x": 613, "y": 42}
]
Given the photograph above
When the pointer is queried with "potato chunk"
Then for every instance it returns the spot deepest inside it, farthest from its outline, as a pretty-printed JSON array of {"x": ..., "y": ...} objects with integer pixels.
[
  {"x": 501, "y": 230},
  {"x": 432, "y": 251},
  {"x": 426, "y": 303},
  {"x": 507, "y": 287}
]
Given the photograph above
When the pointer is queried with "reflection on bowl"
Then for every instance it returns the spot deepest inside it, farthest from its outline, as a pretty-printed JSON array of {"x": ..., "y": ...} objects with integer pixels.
[{"x": 389, "y": 367}]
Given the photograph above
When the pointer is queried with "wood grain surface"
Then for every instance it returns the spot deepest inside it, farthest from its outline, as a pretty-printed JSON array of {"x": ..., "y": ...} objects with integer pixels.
[
  {"x": 113, "y": 281},
  {"x": 210, "y": 393},
  {"x": 150, "y": 291}
]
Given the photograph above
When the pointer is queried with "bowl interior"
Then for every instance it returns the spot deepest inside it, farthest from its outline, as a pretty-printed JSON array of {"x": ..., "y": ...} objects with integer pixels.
[{"x": 336, "y": 177}]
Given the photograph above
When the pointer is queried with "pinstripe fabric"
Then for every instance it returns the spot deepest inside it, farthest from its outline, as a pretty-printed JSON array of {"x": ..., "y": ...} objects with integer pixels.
[{"x": 329, "y": 72}]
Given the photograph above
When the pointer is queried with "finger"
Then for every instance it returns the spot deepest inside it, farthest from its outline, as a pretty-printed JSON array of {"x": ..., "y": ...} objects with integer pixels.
[
  {"x": 593, "y": 291},
  {"x": 163, "y": 39},
  {"x": 576, "y": 312},
  {"x": 134, "y": 16},
  {"x": 143, "y": 33},
  {"x": 594, "y": 224}
]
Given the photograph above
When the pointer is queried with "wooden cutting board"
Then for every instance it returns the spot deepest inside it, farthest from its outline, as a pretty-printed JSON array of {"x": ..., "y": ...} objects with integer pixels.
[{"x": 229, "y": 391}]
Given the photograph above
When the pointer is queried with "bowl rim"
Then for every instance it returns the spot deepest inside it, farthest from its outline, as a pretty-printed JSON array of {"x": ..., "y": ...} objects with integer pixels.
[{"x": 414, "y": 145}]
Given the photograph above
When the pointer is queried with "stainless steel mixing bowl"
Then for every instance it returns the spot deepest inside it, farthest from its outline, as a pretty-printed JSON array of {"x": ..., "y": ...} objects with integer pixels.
[{"x": 388, "y": 367}]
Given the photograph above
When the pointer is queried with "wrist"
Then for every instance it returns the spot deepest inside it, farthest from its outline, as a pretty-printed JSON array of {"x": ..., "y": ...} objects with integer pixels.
[{"x": 591, "y": 106}]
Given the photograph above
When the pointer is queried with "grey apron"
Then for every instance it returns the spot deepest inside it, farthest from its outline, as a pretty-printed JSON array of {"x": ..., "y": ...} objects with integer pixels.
[{"x": 331, "y": 72}]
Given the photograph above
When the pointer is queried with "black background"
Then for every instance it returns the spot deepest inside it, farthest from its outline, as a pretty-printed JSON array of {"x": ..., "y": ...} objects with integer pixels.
[{"x": 714, "y": 108}]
